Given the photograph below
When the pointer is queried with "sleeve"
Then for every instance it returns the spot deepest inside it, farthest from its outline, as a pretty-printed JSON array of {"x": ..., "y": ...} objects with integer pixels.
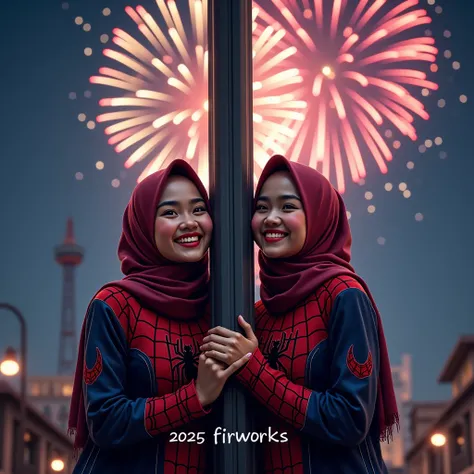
[
  {"x": 112, "y": 418},
  {"x": 343, "y": 413}
]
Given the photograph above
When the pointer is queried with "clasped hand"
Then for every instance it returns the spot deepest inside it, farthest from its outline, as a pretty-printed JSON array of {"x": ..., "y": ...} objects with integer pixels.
[
  {"x": 224, "y": 345},
  {"x": 223, "y": 353}
]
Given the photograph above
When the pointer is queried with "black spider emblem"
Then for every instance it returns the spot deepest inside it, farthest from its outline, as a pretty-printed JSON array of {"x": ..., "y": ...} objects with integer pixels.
[
  {"x": 275, "y": 350},
  {"x": 187, "y": 355}
]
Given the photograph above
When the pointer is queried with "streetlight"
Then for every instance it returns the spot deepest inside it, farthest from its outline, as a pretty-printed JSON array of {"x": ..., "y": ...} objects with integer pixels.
[
  {"x": 57, "y": 465},
  {"x": 10, "y": 365},
  {"x": 7, "y": 368},
  {"x": 438, "y": 440}
]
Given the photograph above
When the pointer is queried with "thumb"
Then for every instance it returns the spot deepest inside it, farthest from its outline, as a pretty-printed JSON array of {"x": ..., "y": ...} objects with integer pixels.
[
  {"x": 246, "y": 327},
  {"x": 237, "y": 365}
]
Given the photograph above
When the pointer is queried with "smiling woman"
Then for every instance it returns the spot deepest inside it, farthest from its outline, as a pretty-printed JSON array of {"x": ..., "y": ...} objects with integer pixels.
[
  {"x": 319, "y": 363},
  {"x": 183, "y": 226},
  {"x": 140, "y": 376},
  {"x": 279, "y": 223}
]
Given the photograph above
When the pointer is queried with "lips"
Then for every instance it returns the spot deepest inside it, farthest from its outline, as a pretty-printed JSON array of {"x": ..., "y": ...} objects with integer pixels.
[
  {"x": 274, "y": 236},
  {"x": 190, "y": 240}
]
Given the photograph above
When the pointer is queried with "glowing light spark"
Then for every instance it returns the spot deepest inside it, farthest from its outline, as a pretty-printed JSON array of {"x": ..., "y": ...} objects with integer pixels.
[
  {"x": 161, "y": 110},
  {"x": 362, "y": 65},
  {"x": 326, "y": 71}
]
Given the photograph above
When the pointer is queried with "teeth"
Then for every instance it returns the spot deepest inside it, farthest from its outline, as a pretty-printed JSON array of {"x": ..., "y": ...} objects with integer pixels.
[
  {"x": 273, "y": 235},
  {"x": 187, "y": 240}
]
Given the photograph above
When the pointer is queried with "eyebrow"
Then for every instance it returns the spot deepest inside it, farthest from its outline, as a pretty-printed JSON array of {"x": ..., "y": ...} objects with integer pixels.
[
  {"x": 177, "y": 203},
  {"x": 282, "y": 197}
]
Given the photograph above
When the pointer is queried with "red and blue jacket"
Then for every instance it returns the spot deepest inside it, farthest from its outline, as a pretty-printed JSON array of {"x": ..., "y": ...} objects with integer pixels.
[
  {"x": 139, "y": 390},
  {"x": 316, "y": 371}
]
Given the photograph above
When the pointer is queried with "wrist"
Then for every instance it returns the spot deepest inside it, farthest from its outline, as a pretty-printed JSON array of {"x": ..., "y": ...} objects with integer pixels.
[{"x": 203, "y": 400}]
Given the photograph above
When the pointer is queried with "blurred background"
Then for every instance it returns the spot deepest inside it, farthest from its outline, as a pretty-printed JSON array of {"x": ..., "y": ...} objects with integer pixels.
[{"x": 376, "y": 95}]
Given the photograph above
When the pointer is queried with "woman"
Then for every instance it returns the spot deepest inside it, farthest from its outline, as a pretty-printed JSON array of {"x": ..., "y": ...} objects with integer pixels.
[
  {"x": 320, "y": 361},
  {"x": 141, "y": 387}
]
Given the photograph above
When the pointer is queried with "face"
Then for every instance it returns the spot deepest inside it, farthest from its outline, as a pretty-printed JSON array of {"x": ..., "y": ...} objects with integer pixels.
[
  {"x": 183, "y": 226},
  {"x": 279, "y": 221}
]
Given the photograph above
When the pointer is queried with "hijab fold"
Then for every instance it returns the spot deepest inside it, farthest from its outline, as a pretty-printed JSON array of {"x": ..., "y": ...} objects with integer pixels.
[
  {"x": 170, "y": 289},
  {"x": 326, "y": 254}
]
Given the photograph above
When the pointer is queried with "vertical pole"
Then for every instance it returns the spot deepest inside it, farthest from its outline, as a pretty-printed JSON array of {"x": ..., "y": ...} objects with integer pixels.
[
  {"x": 19, "y": 454},
  {"x": 231, "y": 186},
  {"x": 23, "y": 377}
]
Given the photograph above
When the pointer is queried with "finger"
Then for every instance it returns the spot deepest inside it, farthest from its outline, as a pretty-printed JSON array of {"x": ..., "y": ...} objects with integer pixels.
[
  {"x": 216, "y": 365},
  {"x": 209, "y": 361},
  {"x": 225, "y": 341},
  {"x": 218, "y": 356},
  {"x": 202, "y": 358},
  {"x": 222, "y": 331},
  {"x": 213, "y": 346},
  {"x": 246, "y": 327},
  {"x": 237, "y": 364}
]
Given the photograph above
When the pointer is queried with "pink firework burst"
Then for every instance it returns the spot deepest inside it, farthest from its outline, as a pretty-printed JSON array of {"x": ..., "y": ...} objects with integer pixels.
[
  {"x": 160, "y": 110},
  {"x": 361, "y": 62}
]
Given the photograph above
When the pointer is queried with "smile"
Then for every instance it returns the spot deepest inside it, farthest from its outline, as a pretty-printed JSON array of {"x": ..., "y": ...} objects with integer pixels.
[
  {"x": 272, "y": 237},
  {"x": 189, "y": 240}
]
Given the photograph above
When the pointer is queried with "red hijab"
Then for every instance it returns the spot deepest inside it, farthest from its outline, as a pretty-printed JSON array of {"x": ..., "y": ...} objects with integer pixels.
[
  {"x": 170, "y": 289},
  {"x": 326, "y": 254}
]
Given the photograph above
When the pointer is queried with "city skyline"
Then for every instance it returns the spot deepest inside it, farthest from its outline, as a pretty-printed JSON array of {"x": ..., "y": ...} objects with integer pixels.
[{"x": 418, "y": 270}]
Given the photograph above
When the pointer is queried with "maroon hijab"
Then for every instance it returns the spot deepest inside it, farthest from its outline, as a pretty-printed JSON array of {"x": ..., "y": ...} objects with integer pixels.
[
  {"x": 326, "y": 254},
  {"x": 170, "y": 289},
  {"x": 175, "y": 290}
]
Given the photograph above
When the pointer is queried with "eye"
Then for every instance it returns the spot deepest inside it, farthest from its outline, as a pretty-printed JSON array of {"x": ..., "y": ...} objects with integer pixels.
[
  {"x": 260, "y": 207},
  {"x": 289, "y": 207},
  {"x": 169, "y": 212},
  {"x": 200, "y": 209}
]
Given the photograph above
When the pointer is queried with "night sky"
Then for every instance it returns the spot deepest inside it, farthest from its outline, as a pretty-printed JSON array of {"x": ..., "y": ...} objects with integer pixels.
[{"x": 420, "y": 272}]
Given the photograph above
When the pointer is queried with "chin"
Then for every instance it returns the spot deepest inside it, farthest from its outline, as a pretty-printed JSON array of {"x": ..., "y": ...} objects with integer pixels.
[
  {"x": 275, "y": 253},
  {"x": 189, "y": 257}
]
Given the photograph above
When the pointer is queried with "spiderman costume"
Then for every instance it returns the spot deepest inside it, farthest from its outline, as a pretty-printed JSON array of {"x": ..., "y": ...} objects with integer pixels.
[
  {"x": 138, "y": 355},
  {"x": 329, "y": 341},
  {"x": 139, "y": 386},
  {"x": 321, "y": 364}
]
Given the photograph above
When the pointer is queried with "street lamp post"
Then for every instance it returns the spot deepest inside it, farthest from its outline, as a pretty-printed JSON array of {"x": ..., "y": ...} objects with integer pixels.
[
  {"x": 23, "y": 352},
  {"x": 438, "y": 441},
  {"x": 231, "y": 186}
]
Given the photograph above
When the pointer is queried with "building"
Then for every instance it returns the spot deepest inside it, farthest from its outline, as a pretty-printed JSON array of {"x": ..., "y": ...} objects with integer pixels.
[
  {"x": 51, "y": 395},
  {"x": 69, "y": 255},
  {"x": 444, "y": 433},
  {"x": 394, "y": 452},
  {"x": 43, "y": 441},
  {"x": 423, "y": 415}
]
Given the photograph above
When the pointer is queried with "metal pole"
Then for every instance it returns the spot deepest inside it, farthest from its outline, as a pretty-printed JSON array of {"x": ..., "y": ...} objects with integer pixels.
[
  {"x": 23, "y": 352},
  {"x": 231, "y": 186}
]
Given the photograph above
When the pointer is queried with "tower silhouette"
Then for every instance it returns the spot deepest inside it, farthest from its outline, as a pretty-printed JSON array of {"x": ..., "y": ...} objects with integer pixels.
[{"x": 68, "y": 255}]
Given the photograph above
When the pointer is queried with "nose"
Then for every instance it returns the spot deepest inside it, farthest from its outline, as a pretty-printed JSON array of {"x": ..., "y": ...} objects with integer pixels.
[
  {"x": 189, "y": 223},
  {"x": 272, "y": 219}
]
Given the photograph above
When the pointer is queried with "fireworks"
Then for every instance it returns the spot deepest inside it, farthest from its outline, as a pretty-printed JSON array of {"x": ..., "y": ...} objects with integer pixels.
[
  {"x": 360, "y": 61},
  {"x": 161, "y": 111},
  {"x": 301, "y": 49}
]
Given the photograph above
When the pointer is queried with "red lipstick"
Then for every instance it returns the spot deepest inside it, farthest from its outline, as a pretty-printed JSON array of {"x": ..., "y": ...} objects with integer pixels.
[
  {"x": 274, "y": 236},
  {"x": 190, "y": 240}
]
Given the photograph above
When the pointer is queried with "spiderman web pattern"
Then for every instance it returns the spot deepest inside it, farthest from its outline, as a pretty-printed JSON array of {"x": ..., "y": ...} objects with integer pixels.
[
  {"x": 171, "y": 347},
  {"x": 299, "y": 331},
  {"x": 92, "y": 374},
  {"x": 361, "y": 371}
]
